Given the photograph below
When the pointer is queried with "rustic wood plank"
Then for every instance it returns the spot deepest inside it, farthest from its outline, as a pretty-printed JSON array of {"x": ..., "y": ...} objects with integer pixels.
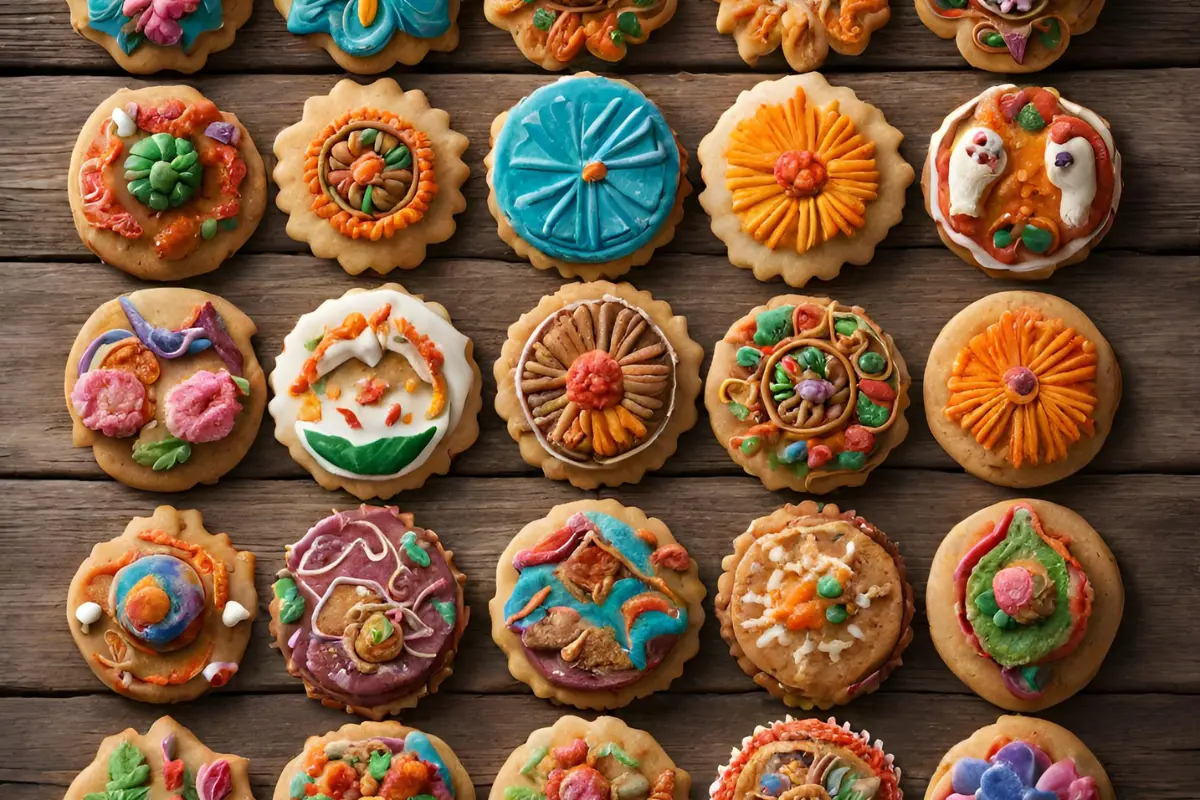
[
  {"x": 1158, "y": 210},
  {"x": 1153, "y": 752},
  {"x": 899, "y": 289},
  {"x": 51, "y": 526}
]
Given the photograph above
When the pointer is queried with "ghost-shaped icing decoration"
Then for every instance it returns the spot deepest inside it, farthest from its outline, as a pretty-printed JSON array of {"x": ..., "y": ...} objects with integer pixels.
[
  {"x": 1071, "y": 166},
  {"x": 978, "y": 160}
]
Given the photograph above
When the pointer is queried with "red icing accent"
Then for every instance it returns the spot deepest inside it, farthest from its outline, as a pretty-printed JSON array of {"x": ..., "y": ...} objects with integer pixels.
[
  {"x": 595, "y": 381},
  {"x": 173, "y": 774},
  {"x": 800, "y": 173}
]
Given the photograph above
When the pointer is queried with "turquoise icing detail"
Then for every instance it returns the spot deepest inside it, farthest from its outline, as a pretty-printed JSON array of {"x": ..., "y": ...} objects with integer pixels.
[
  {"x": 419, "y": 743},
  {"x": 646, "y": 627},
  {"x": 423, "y": 19},
  {"x": 106, "y": 16},
  {"x": 180, "y": 583},
  {"x": 548, "y": 139}
]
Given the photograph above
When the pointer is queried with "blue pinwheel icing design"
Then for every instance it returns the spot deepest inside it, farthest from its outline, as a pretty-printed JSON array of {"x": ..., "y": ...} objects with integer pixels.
[
  {"x": 169, "y": 23},
  {"x": 367, "y": 30},
  {"x": 586, "y": 170}
]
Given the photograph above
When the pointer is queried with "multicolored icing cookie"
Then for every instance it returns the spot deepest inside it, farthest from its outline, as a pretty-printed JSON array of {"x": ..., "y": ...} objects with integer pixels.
[
  {"x": 805, "y": 29},
  {"x": 596, "y": 605},
  {"x": 374, "y": 761},
  {"x": 145, "y": 36},
  {"x": 815, "y": 605},
  {"x": 1024, "y": 600},
  {"x": 1020, "y": 758},
  {"x": 163, "y": 612},
  {"x": 794, "y": 759},
  {"x": 594, "y": 760},
  {"x": 802, "y": 177},
  {"x": 807, "y": 394},
  {"x": 164, "y": 387},
  {"x": 163, "y": 184},
  {"x": 1010, "y": 35},
  {"x": 597, "y": 383},
  {"x": 164, "y": 763},
  {"x": 375, "y": 391},
  {"x": 586, "y": 177},
  {"x": 370, "y": 176},
  {"x": 368, "y": 611},
  {"x": 371, "y": 36},
  {"x": 1021, "y": 389},
  {"x": 1021, "y": 182},
  {"x": 553, "y": 34}
]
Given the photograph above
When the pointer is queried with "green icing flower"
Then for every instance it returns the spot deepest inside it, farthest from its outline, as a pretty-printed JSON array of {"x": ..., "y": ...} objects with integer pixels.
[{"x": 163, "y": 171}]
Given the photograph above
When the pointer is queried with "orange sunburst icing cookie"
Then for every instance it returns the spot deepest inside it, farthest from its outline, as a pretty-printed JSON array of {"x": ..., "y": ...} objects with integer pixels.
[
  {"x": 800, "y": 174},
  {"x": 1028, "y": 381}
]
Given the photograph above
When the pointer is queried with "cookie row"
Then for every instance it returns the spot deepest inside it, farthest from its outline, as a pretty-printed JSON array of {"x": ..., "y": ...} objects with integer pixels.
[
  {"x": 369, "y": 36},
  {"x": 587, "y": 177},
  {"x": 1017, "y": 758}
]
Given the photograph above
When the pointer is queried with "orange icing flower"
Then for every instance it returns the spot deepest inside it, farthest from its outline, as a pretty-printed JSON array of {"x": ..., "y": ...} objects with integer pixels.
[
  {"x": 1029, "y": 380},
  {"x": 800, "y": 174}
]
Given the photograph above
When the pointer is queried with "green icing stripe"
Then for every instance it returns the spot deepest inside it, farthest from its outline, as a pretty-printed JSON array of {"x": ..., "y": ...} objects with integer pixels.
[{"x": 380, "y": 457}]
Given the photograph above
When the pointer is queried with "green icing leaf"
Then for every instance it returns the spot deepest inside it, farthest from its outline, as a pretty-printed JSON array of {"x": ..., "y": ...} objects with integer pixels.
[
  {"x": 379, "y": 631},
  {"x": 773, "y": 325},
  {"x": 522, "y": 793},
  {"x": 447, "y": 609},
  {"x": 869, "y": 412},
  {"x": 312, "y": 343},
  {"x": 534, "y": 759},
  {"x": 163, "y": 454},
  {"x": 629, "y": 23},
  {"x": 243, "y": 385},
  {"x": 385, "y": 456},
  {"x": 318, "y": 386},
  {"x": 140, "y": 793},
  {"x": 1029, "y": 118},
  {"x": 543, "y": 19},
  {"x": 380, "y": 761},
  {"x": 291, "y": 604},
  {"x": 739, "y": 410},
  {"x": 96, "y": 796},
  {"x": 748, "y": 357},
  {"x": 284, "y": 588},
  {"x": 399, "y": 158},
  {"x": 413, "y": 550},
  {"x": 298, "y": 783},
  {"x": 189, "y": 786},
  {"x": 613, "y": 749},
  {"x": 126, "y": 768}
]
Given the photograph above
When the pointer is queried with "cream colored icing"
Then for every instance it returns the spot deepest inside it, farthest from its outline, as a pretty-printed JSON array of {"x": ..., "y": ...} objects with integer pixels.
[
  {"x": 1077, "y": 181},
  {"x": 973, "y": 168}
]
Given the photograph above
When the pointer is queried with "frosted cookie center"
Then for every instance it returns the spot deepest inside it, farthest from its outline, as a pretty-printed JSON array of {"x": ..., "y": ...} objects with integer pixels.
[
  {"x": 595, "y": 381},
  {"x": 800, "y": 173}
]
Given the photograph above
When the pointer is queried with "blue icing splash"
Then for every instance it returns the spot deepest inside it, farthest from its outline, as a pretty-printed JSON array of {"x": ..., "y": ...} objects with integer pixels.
[
  {"x": 543, "y": 148},
  {"x": 106, "y": 16},
  {"x": 646, "y": 626},
  {"x": 423, "y": 19},
  {"x": 419, "y": 743},
  {"x": 177, "y": 580}
]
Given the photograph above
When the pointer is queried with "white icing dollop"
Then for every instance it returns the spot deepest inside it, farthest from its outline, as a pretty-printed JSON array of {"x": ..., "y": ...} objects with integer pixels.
[
  {"x": 978, "y": 159},
  {"x": 126, "y": 126},
  {"x": 1076, "y": 177},
  {"x": 215, "y": 667},
  {"x": 234, "y": 613},
  {"x": 88, "y": 614}
]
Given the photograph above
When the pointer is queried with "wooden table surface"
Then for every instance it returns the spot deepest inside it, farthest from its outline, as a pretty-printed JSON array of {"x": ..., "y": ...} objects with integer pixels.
[{"x": 1140, "y": 68}]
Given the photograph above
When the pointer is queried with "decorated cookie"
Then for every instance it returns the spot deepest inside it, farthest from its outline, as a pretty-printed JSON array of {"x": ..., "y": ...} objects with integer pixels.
[
  {"x": 1021, "y": 389},
  {"x": 801, "y": 177},
  {"x": 815, "y": 605},
  {"x": 370, "y": 175},
  {"x": 371, "y": 36},
  {"x": 596, "y": 605},
  {"x": 163, "y": 611},
  {"x": 164, "y": 763},
  {"x": 1020, "y": 758},
  {"x": 807, "y": 394},
  {"x": 597, "y": 383},
  {"x": 1024, "y": 600},
  {"x": 164, "y": 387},
  {"x": 375, "y": 391},
  {"x": 552, "y": 34},
  {"x": 594, "y": 760},
  {"x": 163, "y": 184},
  {"x": 806, "y": 759},
  {"x": 1010, "y": 35},
  {"x": 373, "y": 761},
  {"x": 806, "y": 29},
  {"x": 368, "y": 611},
  {"x": 1021, "y": 182},
  {"x": 586, "y": 177}
]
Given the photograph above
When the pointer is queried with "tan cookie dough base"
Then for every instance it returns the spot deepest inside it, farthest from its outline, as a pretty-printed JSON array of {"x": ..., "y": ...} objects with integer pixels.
[
  {"x": 725, "y": 425},
  {"x": 826, "y": 259},
  {"x": 229, "y": 643},
  {"x": 455, "y": 441},
  {"x": 355, "y": 732},
  {"x": 687, "y": 585},
  {"x": 568, "y": 269},
  {"x": 1068, "y": 675},
  {"x": 813, "y": 44},
  {"x": 209, "y": 460},
  {"x": 279, "y": 632},
  {"x": 687, "y": 387},
  {"x": 773, "y": 523},
  {"x": 641, "y": 746},
  {"x": 1055, "y": 740},
  {"x": 187, "y": 747},
  {"x": 992, "y": 466},
  {"x": 149, "y": 57},
  {"x": 137, "y": 256},
  {"x": 402, "y": 49},
  {"x": 406, "y": 248}
]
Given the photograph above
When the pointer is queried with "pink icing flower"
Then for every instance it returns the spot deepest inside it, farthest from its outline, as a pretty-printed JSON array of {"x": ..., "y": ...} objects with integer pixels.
[
  {"x": 214, "y": 780},
  {"x": 110, "y": 401},
  {"x": 203, "y": 408},
  {"x": 158, "y": 18}
]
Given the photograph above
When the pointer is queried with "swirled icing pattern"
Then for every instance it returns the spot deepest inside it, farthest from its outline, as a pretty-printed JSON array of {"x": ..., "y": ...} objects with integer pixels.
[
  {"x": 364, "y": 27},
  {"x": 586, "y": 170},
  {"x": 158, "y": 599}
]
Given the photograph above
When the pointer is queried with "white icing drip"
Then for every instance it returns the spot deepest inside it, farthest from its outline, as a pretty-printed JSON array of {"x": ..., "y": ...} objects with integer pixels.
[
  {"x": 234, "y": 613},
  {"x": 834, "y": 648},
  {"x": 88, "y": 614},
  {"x": 755, "y": 599},
  {"x": 756, "y": 624},
  {"x": 366, "y": 348},
  {"x": 214, "y": 667},
  {"x": 978, "y": 159},
  {"x": 862, "y": 600},
  {"x": 776, "y": 580},
  {"x": 855, "y": 631},
  {"x": 1077, "y": 180},
  {"x": 776, "y": 633},
  {"x": 803, "y": 650}
]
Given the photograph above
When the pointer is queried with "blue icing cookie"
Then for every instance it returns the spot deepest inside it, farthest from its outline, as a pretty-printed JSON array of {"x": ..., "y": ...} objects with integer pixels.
[
  {"x": 422, "y": 19},
  {"x": 548, "y": 140},
  {"x": 108, "y": 17}
]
